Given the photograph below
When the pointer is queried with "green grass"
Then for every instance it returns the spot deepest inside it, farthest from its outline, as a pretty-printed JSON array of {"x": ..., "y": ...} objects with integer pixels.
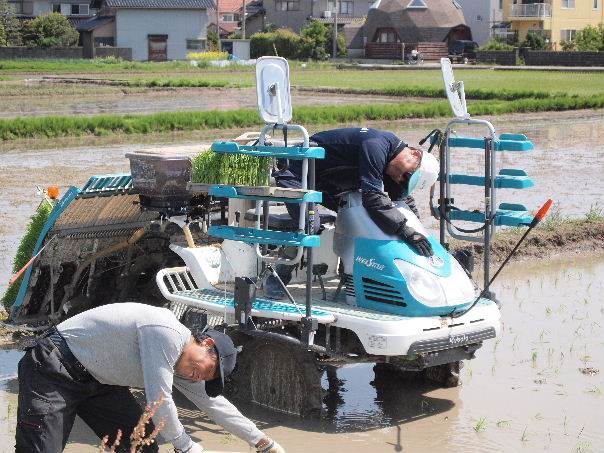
[
  {"x": 26, "y": 249},
  {"x": 61, "y": 126},
  {"x": 326, "y": 75},
  {"x": 183, "y": 82},
  {"x": 113, "y": 65},
  {"x": 541, "y": 81},
  {"x": 100, "y": 65},
  {"x": 580, "y": 83}
]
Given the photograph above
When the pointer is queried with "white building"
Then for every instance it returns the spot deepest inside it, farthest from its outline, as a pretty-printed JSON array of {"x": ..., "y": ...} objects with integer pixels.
[
  {"x": 480, "y": 16},
  {"x": 155, "y": 29}
]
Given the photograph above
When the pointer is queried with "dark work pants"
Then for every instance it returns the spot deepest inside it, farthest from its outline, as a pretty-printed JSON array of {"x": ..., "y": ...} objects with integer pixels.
[
  {"x": 52, "y": 391},
  {"x": 291, "y": 180}
]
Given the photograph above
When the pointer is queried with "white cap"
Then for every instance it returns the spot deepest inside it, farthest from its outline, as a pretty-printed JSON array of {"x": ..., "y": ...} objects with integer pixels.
[{"x": 425, "y": 175}]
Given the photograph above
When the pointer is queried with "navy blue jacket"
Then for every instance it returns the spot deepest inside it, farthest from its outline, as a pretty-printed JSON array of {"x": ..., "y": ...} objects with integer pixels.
[{"x": 356, "y": 158}]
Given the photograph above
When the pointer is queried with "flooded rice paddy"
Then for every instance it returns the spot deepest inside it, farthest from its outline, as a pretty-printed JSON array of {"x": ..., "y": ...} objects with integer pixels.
[
  {"x": 76, "y": 100},
  {"x": 538, "y": 387},
  {"x": 566, "y": 165}
]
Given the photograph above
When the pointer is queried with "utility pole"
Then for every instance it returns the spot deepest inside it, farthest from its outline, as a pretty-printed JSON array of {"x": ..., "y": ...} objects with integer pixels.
[
  {"x": 335, "y": 31},
  {"x": 243, "y": 21},
  {"x": 218, "y": 24}
]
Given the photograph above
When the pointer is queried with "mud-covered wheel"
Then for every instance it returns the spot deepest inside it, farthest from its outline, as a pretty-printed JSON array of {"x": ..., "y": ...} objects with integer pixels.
[
  {"x": 277, "y": 375},
  {"x": 446, "y": 375}
]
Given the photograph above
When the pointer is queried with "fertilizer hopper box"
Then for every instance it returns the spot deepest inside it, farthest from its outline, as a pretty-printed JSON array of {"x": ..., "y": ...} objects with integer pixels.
[{"x": 161, "y": 176}]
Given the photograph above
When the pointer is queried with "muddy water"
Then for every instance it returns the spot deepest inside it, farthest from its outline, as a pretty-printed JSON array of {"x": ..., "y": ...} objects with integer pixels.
[
  {"x": 117, "y": 100},
  {"x": 527, "y": 391}
]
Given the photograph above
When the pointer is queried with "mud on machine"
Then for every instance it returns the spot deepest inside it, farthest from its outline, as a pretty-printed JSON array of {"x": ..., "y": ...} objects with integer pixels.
[{"x": 126, "y": 237}]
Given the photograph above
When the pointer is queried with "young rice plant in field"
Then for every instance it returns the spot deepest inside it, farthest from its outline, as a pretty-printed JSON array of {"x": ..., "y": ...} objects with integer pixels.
[{"x": 480, "y": 425}]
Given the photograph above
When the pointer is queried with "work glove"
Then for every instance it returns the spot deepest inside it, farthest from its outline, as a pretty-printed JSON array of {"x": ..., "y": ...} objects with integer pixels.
[
  {"x": 270, "y": 447},
  {"x": 196, "y": 448},
  {"x": 416, "y": 240}
]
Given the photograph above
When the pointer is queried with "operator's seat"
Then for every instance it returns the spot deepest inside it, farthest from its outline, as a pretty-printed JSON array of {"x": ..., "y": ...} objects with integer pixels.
[{"x": 279, "y": 218}]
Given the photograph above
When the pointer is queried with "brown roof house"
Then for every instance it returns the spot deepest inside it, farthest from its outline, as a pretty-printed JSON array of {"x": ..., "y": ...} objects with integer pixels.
[{"x": 397, "y": 26}]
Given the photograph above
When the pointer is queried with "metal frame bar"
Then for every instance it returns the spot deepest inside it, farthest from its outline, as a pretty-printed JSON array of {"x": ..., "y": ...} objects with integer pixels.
[
  {"x": 490, "y": 198},
  {"x": 303, "y": 206}
]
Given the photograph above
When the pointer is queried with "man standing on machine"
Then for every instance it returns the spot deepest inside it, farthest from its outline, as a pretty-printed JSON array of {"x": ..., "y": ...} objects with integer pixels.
[{"x": 377, "y": 163}]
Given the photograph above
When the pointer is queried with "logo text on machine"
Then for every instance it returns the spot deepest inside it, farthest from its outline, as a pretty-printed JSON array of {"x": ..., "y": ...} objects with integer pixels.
[{"x": 370, "y": 263}]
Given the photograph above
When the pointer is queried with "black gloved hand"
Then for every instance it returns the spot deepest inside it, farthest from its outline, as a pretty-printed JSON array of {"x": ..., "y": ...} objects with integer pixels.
[{"x": 416, "y": 240}]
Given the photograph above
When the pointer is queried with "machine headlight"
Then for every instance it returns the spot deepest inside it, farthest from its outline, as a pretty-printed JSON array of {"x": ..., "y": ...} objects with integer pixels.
[
  {"x": 459, "y": 288},
  {"x": 422, "y": 284}
]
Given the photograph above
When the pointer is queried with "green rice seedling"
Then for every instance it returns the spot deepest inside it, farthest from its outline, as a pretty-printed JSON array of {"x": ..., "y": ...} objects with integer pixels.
[
  {"x": 496, "y": 344},
  {"x": 583, "y": 447},
  {"x": 534, "y": 359},
  {"x": 515, "y": 343},
  {"x": 595, "y": 213},
  {"x": 595, "y": 390},
  {"x": 230, "y": 169},
  {"x": 548, "y": 311},
  {"x": 538, "y": 416},
  {"x": 26, "y": 248},
  {"x": 504, "y": 424},
  {"x": 550, "y": 356},
  {"x": 480, "y": 425},
  {"x": 524, "y": 437}
]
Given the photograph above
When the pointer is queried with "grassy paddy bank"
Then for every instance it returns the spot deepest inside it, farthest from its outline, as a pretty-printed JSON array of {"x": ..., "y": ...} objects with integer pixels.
[
  {"x": 100, "y": 125},
  {"x": 556, "y": 235}
]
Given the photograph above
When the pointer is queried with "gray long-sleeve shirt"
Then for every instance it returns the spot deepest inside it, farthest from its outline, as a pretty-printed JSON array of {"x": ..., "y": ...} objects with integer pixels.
[{"x": 137, "y": 345}]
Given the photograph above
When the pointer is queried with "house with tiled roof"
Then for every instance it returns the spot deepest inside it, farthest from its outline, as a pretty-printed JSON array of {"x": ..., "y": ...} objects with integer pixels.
[
  {"x": 154, "y": 29},
  {"x": 294, "y": 14},
  {"x": 76, "y": 11},
  {"x": 397, "y": 26},
  {"x": 230, "y": 13}
]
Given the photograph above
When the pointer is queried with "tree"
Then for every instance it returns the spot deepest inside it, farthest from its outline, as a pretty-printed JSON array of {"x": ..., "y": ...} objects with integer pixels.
[
  {"x": 212, "y": 39},
  {"x": 2, "y": 36},
  {"x": 534, "y": 41},
  {"x": 590, "y": 39},
  {"x": 10, "y": 25},
  {"x": 568, "y": 46},
  {"x": 315, "y": 36},
  {"x": 342, "y": 51},
  {"x": 50, "y": 30},
  {"x": 497, "y": 44}
]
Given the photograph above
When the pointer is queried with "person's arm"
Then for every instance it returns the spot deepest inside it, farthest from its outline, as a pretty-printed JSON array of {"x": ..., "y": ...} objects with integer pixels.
[
  {"x": 379, "y": 206},
  {"x": 221, "y": 410},
  {"x": 410, "y": 202},
  {"x": 159, "y": 349},
  {"x": 381, "y": 209}
]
